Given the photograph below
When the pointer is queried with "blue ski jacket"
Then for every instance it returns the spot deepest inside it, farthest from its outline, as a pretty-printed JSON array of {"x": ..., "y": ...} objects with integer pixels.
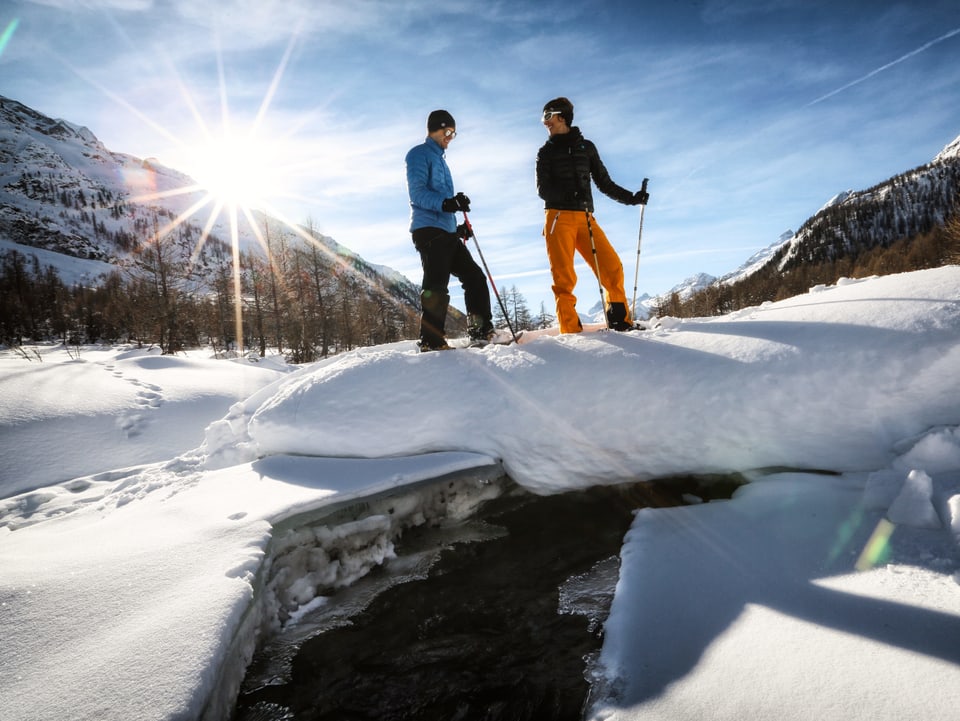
[{"x": 429, "y": 183}]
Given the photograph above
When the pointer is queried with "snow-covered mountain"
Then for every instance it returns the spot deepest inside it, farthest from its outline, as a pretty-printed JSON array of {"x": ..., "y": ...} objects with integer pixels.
[
  {"x": 648, "y": 305},
  {"x": 62, "y": 191},
  {"x": 906, "y": 205},
  {"x": 758, "y": 259},
  {"x": 952, "y": 151},
  {"x": 850, "y": 221}
]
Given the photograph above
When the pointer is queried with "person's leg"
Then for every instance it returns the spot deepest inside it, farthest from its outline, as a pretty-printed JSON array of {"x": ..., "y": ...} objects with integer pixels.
[
  {"x": 476, "y": 294},
  {"x": 611, "y": 272},
  {"x": 434, "y": 298},
  {"x": 560, "y": 234}
]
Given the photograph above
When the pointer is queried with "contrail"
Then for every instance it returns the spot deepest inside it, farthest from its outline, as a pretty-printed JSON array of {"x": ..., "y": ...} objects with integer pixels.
[{"x": 884, "y": 67}]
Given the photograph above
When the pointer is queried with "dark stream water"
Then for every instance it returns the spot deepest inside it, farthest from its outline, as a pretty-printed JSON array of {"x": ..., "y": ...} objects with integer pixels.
[{"x": 482, "y": 636}]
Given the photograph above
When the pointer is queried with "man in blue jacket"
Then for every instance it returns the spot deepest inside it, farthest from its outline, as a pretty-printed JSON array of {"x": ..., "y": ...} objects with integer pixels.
[{"x": 440, "y": 242}]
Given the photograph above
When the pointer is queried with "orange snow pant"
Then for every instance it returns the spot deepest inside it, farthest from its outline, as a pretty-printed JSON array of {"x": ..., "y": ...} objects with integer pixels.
[{"x": 566, "y": 231}]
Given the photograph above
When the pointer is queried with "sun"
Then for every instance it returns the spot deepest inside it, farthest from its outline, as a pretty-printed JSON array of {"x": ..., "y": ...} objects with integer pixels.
[{"x": 237, "y": 171}]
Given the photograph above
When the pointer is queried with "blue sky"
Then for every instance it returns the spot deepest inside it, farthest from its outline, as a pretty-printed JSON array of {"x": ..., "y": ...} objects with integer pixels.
[{"x": 746, "y": 115}]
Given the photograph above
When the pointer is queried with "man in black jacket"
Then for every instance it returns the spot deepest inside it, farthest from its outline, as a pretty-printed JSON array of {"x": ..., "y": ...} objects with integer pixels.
[{"x": 566, "y": 164}]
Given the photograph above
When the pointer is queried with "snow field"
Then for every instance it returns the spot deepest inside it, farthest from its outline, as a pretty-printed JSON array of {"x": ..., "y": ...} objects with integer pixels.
[{"x": 139, "y": 570}]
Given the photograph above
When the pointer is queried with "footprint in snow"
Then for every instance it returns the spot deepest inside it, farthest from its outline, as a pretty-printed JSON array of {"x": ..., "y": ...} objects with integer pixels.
[{"x": 149, "y": 396}]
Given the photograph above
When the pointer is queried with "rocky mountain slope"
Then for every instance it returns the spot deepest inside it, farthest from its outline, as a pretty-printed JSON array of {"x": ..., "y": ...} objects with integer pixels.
[{"x": 63, "y": 191}]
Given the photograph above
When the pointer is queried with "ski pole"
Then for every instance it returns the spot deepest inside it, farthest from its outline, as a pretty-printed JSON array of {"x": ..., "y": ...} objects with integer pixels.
[
  {"x": 596, "y": 267},
  {"x": 493, "y": 285},
  {"x": 636, "y": 270}
]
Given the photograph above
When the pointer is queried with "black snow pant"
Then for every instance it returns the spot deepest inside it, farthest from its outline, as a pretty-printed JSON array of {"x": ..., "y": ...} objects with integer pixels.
[{"x": 443, "y": 254}]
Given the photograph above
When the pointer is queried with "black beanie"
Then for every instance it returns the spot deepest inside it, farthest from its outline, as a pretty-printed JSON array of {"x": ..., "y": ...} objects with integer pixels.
[
  {"x": 562, "y": 106},
  {"x": 440, "y": 119}
]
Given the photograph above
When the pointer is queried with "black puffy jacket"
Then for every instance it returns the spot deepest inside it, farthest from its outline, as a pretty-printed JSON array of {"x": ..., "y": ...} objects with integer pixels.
[{"x": 565, "y": 165}]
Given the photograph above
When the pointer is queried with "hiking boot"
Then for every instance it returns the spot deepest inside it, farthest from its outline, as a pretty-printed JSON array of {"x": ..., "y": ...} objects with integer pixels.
[
  {"x": 617, "y": 317},
  {"x": 478, "y": 329},
  {"x": 426, "y": 347}
]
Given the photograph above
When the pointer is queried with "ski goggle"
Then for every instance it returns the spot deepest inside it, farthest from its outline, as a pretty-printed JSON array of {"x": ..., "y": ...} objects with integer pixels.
[{"x": 547, "y": 114}]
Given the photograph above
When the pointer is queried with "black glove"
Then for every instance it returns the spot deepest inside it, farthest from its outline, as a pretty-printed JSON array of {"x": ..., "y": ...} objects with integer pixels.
[
  {"x": 457, "y": 202},
  {"x": 464, "y": 232},
  {"x": 641, "y": 197}
]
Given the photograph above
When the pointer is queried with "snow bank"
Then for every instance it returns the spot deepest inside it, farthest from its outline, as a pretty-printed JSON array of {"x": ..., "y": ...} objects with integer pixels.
[
  {"x": 872, "y": 363},
  {"x": 813, "y": 595}
]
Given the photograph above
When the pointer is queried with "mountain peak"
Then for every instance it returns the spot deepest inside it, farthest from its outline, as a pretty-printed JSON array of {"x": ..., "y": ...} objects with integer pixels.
[
  {"x": 837, "y": 199},
  {"x": 17, "y": 113},
  {"x": 949, "y": 152}
]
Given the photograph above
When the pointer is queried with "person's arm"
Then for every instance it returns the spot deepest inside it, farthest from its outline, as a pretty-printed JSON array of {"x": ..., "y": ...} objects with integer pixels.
[
  {"x": 418, "y": 182},
  {"x": 601, "y": 178}
]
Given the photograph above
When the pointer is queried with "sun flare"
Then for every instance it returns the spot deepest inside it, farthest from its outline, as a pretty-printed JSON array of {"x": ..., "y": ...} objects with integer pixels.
[
  {"x": 239, "y": 170},
  {"x": 235, "y": 170}
]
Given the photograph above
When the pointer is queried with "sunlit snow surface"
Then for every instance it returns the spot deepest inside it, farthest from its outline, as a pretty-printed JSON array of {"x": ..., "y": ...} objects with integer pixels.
[{"x": 132, "y": 591}]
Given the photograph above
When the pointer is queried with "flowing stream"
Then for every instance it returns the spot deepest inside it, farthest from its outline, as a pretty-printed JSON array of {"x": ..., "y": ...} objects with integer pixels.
[{"x": 493, "y": 618}]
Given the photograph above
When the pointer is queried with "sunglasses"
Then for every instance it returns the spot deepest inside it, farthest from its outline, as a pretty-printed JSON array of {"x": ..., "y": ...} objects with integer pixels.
[
  {"x": 449, "y": 133},
  {"x": 547, "y": 114}
]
